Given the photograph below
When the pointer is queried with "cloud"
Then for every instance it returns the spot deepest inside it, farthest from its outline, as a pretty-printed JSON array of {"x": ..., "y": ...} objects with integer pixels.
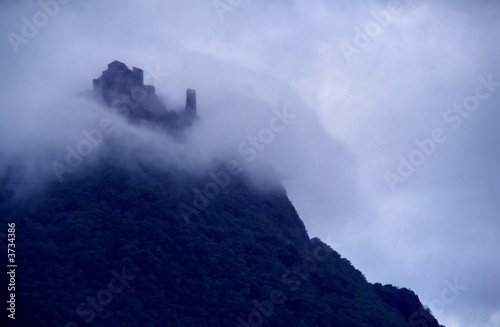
[{"x": 356, "y": 115}]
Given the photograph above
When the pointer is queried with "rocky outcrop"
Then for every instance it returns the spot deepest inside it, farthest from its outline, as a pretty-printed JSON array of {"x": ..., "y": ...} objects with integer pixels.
[{"x": 408, "y": 304}]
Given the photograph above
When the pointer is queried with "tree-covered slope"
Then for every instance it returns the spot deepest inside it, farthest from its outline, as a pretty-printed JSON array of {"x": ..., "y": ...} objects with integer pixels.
[{"x": 111, "y": 248}]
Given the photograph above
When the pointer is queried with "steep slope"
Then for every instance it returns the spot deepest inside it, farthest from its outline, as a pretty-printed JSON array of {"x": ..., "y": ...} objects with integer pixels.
[{"x": 111, "y": 248}]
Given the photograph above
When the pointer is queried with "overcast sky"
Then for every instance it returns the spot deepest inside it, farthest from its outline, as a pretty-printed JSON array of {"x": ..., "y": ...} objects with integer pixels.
[{"x": 392, "y": 155}]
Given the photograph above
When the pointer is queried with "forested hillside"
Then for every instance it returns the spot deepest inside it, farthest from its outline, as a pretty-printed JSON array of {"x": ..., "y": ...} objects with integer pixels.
[{"x": 111, "y": 248}]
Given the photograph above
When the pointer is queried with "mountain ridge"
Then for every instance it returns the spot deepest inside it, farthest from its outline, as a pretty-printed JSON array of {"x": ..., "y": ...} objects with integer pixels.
[
  {"x": 115, "y": 246},
  {"x": 247, "y": 245}
]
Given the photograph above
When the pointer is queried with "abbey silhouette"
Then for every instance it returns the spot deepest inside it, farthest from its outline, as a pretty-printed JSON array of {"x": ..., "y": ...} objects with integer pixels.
[{"x": 123, "y": 90}]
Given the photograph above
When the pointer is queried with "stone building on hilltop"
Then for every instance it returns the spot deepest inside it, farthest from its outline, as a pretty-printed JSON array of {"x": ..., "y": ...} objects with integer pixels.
[{"x": 123, "y": 90}]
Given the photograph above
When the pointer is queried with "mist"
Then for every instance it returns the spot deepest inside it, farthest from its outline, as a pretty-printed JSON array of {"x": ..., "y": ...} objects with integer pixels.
[{"x": 365, "y": 85}]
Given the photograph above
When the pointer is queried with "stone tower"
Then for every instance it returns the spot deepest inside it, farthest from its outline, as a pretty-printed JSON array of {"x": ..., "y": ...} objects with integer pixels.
[
  {"x": 191, "y": 102},
  {"x": 124, "y": 91}
]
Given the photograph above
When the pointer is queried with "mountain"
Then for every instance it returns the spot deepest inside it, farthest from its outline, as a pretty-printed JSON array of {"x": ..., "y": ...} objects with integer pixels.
[{"x": 117, "y": 245}]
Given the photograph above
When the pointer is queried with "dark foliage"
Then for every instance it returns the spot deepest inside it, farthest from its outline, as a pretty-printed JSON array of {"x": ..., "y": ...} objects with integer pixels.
[{"x": 245, "y": 255}]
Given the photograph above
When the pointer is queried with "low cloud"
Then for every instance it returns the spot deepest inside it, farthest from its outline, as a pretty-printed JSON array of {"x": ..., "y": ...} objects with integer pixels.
[{"x": 355, "y": 116}]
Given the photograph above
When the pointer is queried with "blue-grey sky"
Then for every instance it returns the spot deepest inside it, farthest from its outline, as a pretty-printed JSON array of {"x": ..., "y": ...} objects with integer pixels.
[{"x": 391, "y": 157}]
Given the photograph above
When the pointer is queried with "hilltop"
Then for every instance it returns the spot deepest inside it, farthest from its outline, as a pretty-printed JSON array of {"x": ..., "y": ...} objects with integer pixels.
[{"x": 111, "y": 246}]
